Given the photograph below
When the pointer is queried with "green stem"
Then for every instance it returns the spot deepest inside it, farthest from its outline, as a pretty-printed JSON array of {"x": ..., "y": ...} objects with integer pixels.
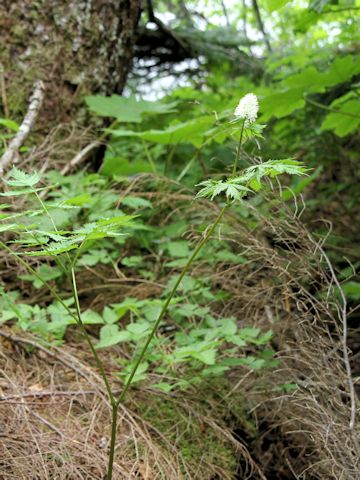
[
  {"x": 167, "y": 302},
  {"x": 114, "y": 416},
  {"x": 238, "y": 150},
  {"x": 149, "y": 157},
  {"x": 330, "y": 109},
  {"x": 99, "y": 363},
  {"x": 43, "y": 206}
]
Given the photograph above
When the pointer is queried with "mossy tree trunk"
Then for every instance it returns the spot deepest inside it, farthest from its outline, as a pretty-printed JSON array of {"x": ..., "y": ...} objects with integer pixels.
[{"x": 75, "y": 46}]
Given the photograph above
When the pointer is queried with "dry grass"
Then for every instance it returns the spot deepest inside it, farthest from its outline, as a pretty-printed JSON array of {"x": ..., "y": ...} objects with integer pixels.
[
  {"x": 289, "y": 288},
  {"x": 56, "y": 423}
]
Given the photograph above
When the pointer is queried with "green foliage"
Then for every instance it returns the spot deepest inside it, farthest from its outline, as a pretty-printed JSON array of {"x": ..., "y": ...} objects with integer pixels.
[
  {"x": 127, "y": 109},
  {"x": 251, "y": 179},
  {"x": 192, "y": 131}
]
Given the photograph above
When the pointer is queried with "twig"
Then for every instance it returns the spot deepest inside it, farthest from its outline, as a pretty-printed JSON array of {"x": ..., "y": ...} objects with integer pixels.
[
  {"x": 261, "y": 24},
  {"x": 80, "y": 157},
  {"x": 46, "y": 393},
  {"x": 11, "y": 154},
  {"x": 3, "y": 91},
  {"x": 344, "y": 340},
  {"x": 225, "y": 12},
  {"x": 45, "y": 422}
]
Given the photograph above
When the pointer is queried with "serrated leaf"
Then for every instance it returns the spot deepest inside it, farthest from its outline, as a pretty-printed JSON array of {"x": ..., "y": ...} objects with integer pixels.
[
  {"x": 136, "y": 202},
  {"x": 18, "y": 178},
  {"x": 24, "y": 191}
]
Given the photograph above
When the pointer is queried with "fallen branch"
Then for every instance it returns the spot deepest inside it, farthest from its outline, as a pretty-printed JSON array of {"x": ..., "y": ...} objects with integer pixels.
[
  {"x": 11, "y": 154},
  {"x": 80, "y": 157}
]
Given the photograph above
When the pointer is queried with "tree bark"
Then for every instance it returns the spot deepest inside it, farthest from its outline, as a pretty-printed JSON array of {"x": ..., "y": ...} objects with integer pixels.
[{"x": 74, "y": 46}]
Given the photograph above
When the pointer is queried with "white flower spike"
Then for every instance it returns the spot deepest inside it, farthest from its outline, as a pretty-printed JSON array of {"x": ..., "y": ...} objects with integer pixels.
[{"x": 248, "y": 108}]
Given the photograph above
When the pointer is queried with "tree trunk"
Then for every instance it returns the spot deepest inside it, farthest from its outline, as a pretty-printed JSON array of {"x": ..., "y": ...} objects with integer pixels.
[{"x": 76, "y": 47}]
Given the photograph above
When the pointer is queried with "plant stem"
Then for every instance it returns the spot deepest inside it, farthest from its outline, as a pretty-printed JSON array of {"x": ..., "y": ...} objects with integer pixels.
[
  {"x": 149, "y": 157},
  {"x": 238, "y": 150},
  {"x": 88, "y": 339},
  {"x": 330, "y": 109},
  {"x": 168, "y": 300},
  {"x": 115, "y": 408}
]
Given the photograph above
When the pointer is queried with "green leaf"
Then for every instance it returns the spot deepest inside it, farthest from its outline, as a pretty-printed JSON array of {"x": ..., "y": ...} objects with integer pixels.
[
  {"x": 191, "y": 309},
  {"x": 133, "y": 261},
  {"x": 228, "y": 326},
  {"x": 10, "y": 124},
  {"x": 111, "y": 335},
  {"x": 207, "y": 356},
  {"x": 273, "y": 5},
  {"x": 22, "y": 179},
  {"x": 109, "y": 315},
  {"x": 126, "y": 109},
  {"x": 136, "y": 202},
  {"x": 352, "y": 290},
  {"x": 45, "y": 272},
  {"x": 342, "y": 123},
  {"x": 163, "y": 386},
  {"x": 129, "y": 304},
  {"x": 309, "y": 79},
  {"x": 78, "y": 201},
  {"x": 121, "y": 166},
  {"x": 192, "y": 131},
  {"x": 178, "y": 249},
  {"x": 23, "y": 191},
  {"x": 254, "y": 363},
  {"x": 249, "y": 332},
  {"x": 138, "y": 329},
  {"x": 282, "y": 103},
  {"x": 89, "y": 317},
  {"x": 139, "y": 375},
  {"x": 152, "y": 310}
]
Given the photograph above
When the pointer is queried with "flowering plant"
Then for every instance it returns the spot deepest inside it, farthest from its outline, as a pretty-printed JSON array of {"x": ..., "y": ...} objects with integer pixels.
[
  {"x": 248, "y": 108},
  {"x": 65, "y": 246}
]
